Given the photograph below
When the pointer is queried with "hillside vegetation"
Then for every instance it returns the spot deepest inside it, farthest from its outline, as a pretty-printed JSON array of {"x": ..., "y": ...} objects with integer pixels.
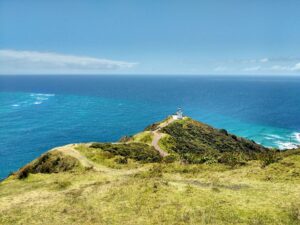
[
  {"x": 209, "y": 177},
  {"x": 196, "y": 142}
]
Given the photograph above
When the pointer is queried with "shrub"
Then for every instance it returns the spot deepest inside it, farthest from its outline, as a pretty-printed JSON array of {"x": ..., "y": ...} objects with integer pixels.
[
  {"x": 23, "y": 172},
  {"x": 196, "y": 142},
  {"x": 152, "y": 127},
  {"x": 223, "y": 131},
  {"x": 50, "y": 162},
  {"x": 232, "y": 159},
  {"x": 170, "y": 158},
  {"x": 125, "y": 139},
  {"x": 137, "y": 151},
  {"x": 121, "y": 160},
  {"x": 269, "y": 157},
  {"x": 156, "y": 171}
]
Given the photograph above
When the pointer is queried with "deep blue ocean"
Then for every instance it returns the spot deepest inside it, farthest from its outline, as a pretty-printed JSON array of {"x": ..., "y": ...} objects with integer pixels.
[{"x": 38, "y": 113}]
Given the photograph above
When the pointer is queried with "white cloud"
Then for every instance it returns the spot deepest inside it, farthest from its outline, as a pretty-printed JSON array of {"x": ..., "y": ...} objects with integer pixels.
[
  {"x": 220, "y": 69},
  {"x": 13, "y": 61},
  {"x": 250, "y": 69},
  {"x": 264, "y": 60},
  {"x": 296, "y": 67},
  {"x": 293, "y": 68},
  {"x": 281, "y": 68}
]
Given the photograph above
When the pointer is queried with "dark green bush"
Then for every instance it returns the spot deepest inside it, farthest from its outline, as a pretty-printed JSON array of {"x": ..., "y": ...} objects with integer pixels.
[
  {"x": 232, "y": 159},
  {"x": 125, "y": 138},
  {"x": 269, "y": 157},
  {"x": 223, "y": 131},
  {"x": 170, "y": 158},
  {"x": 196, "y": 142},
  {"x": 152, "y": 127},
  {"x": 50, "y": 162},
  {"x": 121, "y": 160},
  {"x": 137, "y": 151}
]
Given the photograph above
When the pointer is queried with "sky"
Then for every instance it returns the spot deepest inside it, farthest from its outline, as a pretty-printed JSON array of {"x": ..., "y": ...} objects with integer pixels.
[{"x": 230, "y": 37}]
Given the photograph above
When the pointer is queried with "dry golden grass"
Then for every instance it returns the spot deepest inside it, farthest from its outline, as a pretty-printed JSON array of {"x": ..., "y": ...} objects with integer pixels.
[{"x": 156, "y": 194}]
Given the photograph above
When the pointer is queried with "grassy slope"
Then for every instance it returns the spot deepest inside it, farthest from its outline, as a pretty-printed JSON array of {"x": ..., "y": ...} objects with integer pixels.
[
  {"x": 196, "y": 142},
  {"x": 136, "y": 188},
  {"x": 157, "y": 193}
]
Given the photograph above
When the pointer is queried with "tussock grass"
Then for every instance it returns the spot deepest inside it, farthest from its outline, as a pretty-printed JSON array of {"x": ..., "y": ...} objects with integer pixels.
[
  {"x": 210, "y": 177},
  {"x": 143, "y": 137},
  {"x": 157, "y": 193},
  {"x": 106, "y": 158}
]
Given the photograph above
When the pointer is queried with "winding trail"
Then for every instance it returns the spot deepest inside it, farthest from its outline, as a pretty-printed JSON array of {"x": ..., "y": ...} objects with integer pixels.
[
  {"x": 85, "y": 162},
  {"x": 70, "y": 150},
  {"x": 157, "y": 135}
]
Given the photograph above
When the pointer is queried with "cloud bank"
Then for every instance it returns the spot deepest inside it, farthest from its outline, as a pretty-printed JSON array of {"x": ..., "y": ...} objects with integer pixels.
[
  {"x": 260, "y": 66},
  {"x": 12, "y": 61}
]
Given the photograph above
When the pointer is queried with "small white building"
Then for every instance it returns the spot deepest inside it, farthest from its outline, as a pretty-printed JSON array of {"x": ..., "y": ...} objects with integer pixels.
[{"x": 178, "y": 115}]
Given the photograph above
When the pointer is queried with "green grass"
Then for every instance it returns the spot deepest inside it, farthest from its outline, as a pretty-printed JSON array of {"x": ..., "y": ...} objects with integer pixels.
[
  {"x": 143, "y": 137},
  {"x": 158, "y": 193},
  {"x": 106, "y": 158},
  {"x": 228, "y": 180}
]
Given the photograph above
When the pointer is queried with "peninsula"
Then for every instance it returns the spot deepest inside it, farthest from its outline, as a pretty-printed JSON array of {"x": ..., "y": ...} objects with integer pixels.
[{"x": 177, "y": 171}]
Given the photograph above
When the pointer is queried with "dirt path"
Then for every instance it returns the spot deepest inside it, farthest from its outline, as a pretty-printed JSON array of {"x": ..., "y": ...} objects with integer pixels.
[
  {"x": 157, "y": 136},
  {"x": 85, "y": 162}
]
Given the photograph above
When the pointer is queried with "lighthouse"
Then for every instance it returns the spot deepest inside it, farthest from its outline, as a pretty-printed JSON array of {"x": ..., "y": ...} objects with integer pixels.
[{"x": 178, "y": 115}]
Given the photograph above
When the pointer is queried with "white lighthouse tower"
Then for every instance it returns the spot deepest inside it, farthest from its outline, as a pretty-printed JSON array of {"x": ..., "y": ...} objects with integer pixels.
[{"x": 178, "y": 115}]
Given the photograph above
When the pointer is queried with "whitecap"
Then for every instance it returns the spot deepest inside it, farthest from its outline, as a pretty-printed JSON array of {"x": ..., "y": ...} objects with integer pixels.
[
  {"x": 15, "y": 105},
  {"x": 286, "y": 145},
  {"x": 297, "y": 136},
  {"x": 273, "y": 136},
  {"x": 46, "y": 95},
  {"x": 269, "y": 138},
  {"x": 41, "y": 94},
  {"x": 41, "y": 98}
]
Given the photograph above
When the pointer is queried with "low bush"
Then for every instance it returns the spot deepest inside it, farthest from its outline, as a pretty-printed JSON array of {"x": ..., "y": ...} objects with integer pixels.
[
  {"x": 125, "y": 139},
  {"x": 121, "y": 160},
  {"x": 50, "y": 162},
  {"x": 232, "y": 159},
  {"x": 196, "y": 142},
  {"x": 137, "y": 151},
  {"x": 170, "y": 158},
  {"x": 269, "y": 157},
  {"x": 152, "y": 127},
  {"x": 156, "y": 171}
]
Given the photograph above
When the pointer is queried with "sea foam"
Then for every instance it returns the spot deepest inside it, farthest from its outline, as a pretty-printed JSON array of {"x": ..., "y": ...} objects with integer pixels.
[
  {"x": 297, "y": 137},
  {"x": 39, "y": 98},
  {"x": 286, "y": 145}
]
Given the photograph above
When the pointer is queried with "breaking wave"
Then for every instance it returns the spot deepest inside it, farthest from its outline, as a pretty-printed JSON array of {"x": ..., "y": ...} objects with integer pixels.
[{"x": 33, "y": 99}]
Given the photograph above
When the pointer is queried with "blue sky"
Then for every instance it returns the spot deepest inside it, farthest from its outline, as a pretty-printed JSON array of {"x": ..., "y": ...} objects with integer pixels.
[{"x": 150, "y": 37}]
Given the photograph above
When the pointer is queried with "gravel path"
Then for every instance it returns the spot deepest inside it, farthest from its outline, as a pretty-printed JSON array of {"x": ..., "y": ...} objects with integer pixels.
[{"x": 157, "y": 136}]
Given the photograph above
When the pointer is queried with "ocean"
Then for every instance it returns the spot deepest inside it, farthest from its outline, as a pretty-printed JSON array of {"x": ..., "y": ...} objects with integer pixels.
[{"x": 38, "y": 113}]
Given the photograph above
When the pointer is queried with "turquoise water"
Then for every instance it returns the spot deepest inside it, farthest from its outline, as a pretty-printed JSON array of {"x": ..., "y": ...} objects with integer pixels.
[{"x": 40, "y": 112}]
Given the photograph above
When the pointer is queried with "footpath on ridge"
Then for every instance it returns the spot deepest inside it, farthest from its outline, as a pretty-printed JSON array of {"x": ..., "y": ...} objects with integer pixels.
[{"x": 157, "y": 135}]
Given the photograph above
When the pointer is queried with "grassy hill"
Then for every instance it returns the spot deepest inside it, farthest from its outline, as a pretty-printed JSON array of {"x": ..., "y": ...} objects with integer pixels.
[{"x": 208, "y": 177}]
